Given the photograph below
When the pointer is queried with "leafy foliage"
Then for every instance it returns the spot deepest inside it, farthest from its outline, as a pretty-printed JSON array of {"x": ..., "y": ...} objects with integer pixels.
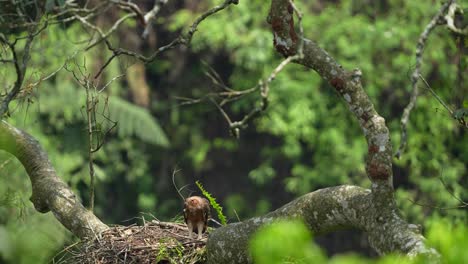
[
  {"x": 450, "y": 239},
  {"x": 285, "y": 242},
  {"x": 291, "y": 242},
  {"x": 135, "y": 120},
  {"x": 214, "y": 204}
]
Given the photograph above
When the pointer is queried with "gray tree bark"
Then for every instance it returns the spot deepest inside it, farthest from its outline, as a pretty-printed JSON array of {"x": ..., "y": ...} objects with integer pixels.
[
  {"x": 49, "y": 192},
  {"x": 324, "y": 211}
]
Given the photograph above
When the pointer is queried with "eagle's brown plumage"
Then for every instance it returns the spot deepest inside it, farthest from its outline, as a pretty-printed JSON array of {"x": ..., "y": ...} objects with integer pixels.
[{"x": 196, "y": 214}]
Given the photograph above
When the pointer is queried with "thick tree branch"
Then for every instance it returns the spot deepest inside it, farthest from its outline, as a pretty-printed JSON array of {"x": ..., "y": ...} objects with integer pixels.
[
  {"x": 324, "y": 211},
  {"x": 49, "y": 192},
  {"x": 347, "y": 84}
]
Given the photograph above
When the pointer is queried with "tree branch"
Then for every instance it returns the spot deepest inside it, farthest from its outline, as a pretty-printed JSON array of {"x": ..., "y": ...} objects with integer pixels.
[
  {"x": 263, "y": 86},
  {"x": 417, "y": 72},
  {"x": 49, "y": 192},
  {"x": 324, "y": 211},
  {"x": 20, "y": 65},
  {"x": 183, "y": 39},
  {"x": 347, "y": 84},
  {"x": 151, "y": 15}
]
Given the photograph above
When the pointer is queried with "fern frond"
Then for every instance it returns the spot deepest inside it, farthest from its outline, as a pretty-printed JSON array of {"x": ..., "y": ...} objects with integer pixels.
[
  {"x": 135, "y": 120},
  {"x": 132, "y": 119},
  {"x": 214, "y": 204}
]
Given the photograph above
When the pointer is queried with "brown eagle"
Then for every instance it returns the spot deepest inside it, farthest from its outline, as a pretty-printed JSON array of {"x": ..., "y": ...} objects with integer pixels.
[{"x": 196, "y": 214}]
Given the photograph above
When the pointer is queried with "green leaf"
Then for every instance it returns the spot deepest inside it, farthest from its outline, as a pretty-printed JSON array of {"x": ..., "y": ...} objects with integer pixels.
[{"x": 214, "y": 204}]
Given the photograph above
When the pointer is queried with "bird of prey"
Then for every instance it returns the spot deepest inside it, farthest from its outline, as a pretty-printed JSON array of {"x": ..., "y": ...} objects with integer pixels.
[{"x": 196, "y": 214}]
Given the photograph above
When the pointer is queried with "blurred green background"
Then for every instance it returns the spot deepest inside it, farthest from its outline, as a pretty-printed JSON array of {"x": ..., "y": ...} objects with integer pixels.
[{"x": 306, "y": 139}]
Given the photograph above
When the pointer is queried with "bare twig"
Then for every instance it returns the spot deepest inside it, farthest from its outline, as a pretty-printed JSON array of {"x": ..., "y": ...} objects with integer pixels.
[
  {"x": 133, "y": 8},
  {"x": 417, "y": 72},
  {"x": 151, "y": 15},
  {"x": 463, "y": 204},
  {"x": 183, "y": 39},
  {"x": 57, "y": 15},
  {"x": 100, "y": 71},
  {"x": 428, "y": 87},
  {"x": 96, "y": 137},
  {"x": 452, "y": 113},
  {"x": 20, "y": 66},
  {"x": 225, "y": 115},
  {"x": 116, "y": 52},
  {"x": 451, "y": 193},
  {"x": 215, "y": 78},
  {"x": 438, "y": 207},
  {"x": 226, "y": 95},
  {"x": 263, "y": 85},
  {"x": 102, "y": 35},
  {"x": 91, "y": 119},
  {"x": 174, "y": 172},
  {"x": 110, "y": 82},
  {"x": 237, "y": 216}
]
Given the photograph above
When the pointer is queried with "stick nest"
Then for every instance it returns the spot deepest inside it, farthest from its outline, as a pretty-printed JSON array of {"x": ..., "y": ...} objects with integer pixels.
[{"x": 154, "y": 242}]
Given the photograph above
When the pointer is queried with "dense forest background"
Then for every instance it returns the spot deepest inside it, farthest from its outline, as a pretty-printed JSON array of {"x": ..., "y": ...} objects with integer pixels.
[{"x": 304, "y": 141}]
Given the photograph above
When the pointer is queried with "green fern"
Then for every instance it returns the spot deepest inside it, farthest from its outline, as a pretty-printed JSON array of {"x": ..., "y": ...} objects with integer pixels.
[
  {"x": 131, "y": 119},
  {"x": 214, "y": 204},
  {"x": 135, "y": 120}
]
